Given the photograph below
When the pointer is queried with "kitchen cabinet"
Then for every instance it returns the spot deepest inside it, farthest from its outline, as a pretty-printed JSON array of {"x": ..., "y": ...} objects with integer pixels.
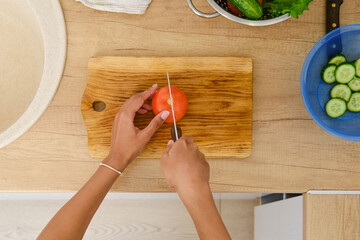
[
  {"x": 279, "y": 220},
  {"x": 332, "y": 216}
]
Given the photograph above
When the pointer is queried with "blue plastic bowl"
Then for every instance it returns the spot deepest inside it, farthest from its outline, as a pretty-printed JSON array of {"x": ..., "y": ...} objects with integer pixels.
[{"x": 316, "y": 93}]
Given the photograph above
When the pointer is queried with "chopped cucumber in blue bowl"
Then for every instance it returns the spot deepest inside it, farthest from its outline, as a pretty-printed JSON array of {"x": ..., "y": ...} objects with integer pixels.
[{"x": 330, "y": 82}]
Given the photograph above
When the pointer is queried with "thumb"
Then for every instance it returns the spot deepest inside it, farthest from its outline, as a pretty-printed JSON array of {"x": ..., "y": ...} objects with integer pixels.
[{"x": 155, "y": 124}]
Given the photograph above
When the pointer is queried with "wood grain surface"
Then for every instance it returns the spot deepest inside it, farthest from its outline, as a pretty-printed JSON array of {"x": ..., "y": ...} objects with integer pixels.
[
  {"x": 219, "y": 92},
  {"x": 331, "y": 217},
  {"x": 139, "y": 218},
  {"x": 290, "y": 153}
]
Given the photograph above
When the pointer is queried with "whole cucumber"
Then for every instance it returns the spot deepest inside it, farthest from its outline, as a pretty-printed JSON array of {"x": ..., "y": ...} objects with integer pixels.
[{"x": 250, "y": 8}]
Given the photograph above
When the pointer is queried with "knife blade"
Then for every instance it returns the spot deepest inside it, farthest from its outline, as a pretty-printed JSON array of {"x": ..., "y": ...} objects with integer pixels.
[{"x": 175, "y": 132}]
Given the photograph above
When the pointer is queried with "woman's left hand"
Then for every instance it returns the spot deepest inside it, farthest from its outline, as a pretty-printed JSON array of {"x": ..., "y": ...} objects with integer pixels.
[{"x": 127, "y": 141}]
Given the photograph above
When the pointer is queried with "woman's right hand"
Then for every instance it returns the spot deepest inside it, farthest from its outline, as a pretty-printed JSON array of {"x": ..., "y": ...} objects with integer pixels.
[
  {"x": 187, "y": 170},
  {"x": 184, "y": 166}
]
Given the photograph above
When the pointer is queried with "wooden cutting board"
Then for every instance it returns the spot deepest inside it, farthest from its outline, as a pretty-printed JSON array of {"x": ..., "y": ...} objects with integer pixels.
[{"x": 219, "y": 91}]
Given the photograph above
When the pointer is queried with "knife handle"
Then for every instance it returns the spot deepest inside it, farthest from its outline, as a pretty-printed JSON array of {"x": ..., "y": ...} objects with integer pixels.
[
  {"x": 333, "y": 14},
  {"x": 173, "y": 136}
]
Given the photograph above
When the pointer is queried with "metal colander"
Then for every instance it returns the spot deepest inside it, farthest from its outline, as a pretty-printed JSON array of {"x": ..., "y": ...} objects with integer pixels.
[{"x": 222, "y": 8}]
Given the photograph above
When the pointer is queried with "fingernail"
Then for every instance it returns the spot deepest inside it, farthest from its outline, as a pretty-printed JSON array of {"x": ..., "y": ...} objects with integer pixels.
[
  {"x": 171, "y": 186},
  {"x": 170, "y": 142},
  {"x": 154, "y": 85},
  {"x": 164, "y": 115}
]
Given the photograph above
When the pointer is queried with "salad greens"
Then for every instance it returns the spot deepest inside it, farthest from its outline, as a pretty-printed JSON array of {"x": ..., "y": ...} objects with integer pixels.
[{"x": 293, "y": 7}]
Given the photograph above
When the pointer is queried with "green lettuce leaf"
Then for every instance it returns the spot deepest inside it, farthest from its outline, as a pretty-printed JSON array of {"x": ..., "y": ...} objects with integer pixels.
[{"x": 293, "y": 7}]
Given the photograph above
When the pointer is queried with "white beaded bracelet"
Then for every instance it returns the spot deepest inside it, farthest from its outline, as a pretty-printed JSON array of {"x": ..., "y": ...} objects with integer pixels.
[{"x": 103, "y": 164}]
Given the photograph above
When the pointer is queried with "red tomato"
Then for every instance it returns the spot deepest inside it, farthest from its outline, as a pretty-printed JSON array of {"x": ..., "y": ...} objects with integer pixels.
[
  {"x": 236, "y": 11},
  {"x": 161, "y": 102},
  {"x": 233, "y": 9}
]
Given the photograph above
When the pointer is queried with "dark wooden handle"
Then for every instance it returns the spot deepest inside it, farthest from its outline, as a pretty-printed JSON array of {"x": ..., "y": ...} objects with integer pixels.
[
  {"x": 333, "y": 14},
  {"x": 173, "y": 136}
]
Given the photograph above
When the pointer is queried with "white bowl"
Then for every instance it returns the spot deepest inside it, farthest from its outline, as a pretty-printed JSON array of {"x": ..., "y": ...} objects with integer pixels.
[{"x": 33, "y": 52}]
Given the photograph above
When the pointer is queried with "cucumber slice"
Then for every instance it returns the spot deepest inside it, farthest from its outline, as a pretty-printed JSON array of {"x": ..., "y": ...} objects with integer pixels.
[
  {"x": 341, "y": 91},
  {"x": 355, "y": 84},
  {"x": 345, "y": 72},
  {"x": 337, "y": 59},
  {"x": 336, "y": 107},
  {"x": 354, "y": 103},
  {"x": 328, "y": 73},
  {"x": 357, "y": 67}
]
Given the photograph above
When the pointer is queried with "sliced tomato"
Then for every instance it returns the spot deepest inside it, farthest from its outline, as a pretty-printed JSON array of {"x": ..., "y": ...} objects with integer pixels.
[{"x": 161, "y": 102}]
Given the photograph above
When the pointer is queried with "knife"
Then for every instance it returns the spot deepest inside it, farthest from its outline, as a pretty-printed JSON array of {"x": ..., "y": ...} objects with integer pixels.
[
  {"x": 333, "y": 22},
  {"x": 175, "y": 131},
  {"x": 333, "y": 14}
]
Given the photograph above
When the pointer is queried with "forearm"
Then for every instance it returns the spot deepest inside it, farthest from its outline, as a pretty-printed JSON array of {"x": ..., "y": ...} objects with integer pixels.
[
  {"x": 74, "y": 217},
  {"x": 201, "y": 206}
]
